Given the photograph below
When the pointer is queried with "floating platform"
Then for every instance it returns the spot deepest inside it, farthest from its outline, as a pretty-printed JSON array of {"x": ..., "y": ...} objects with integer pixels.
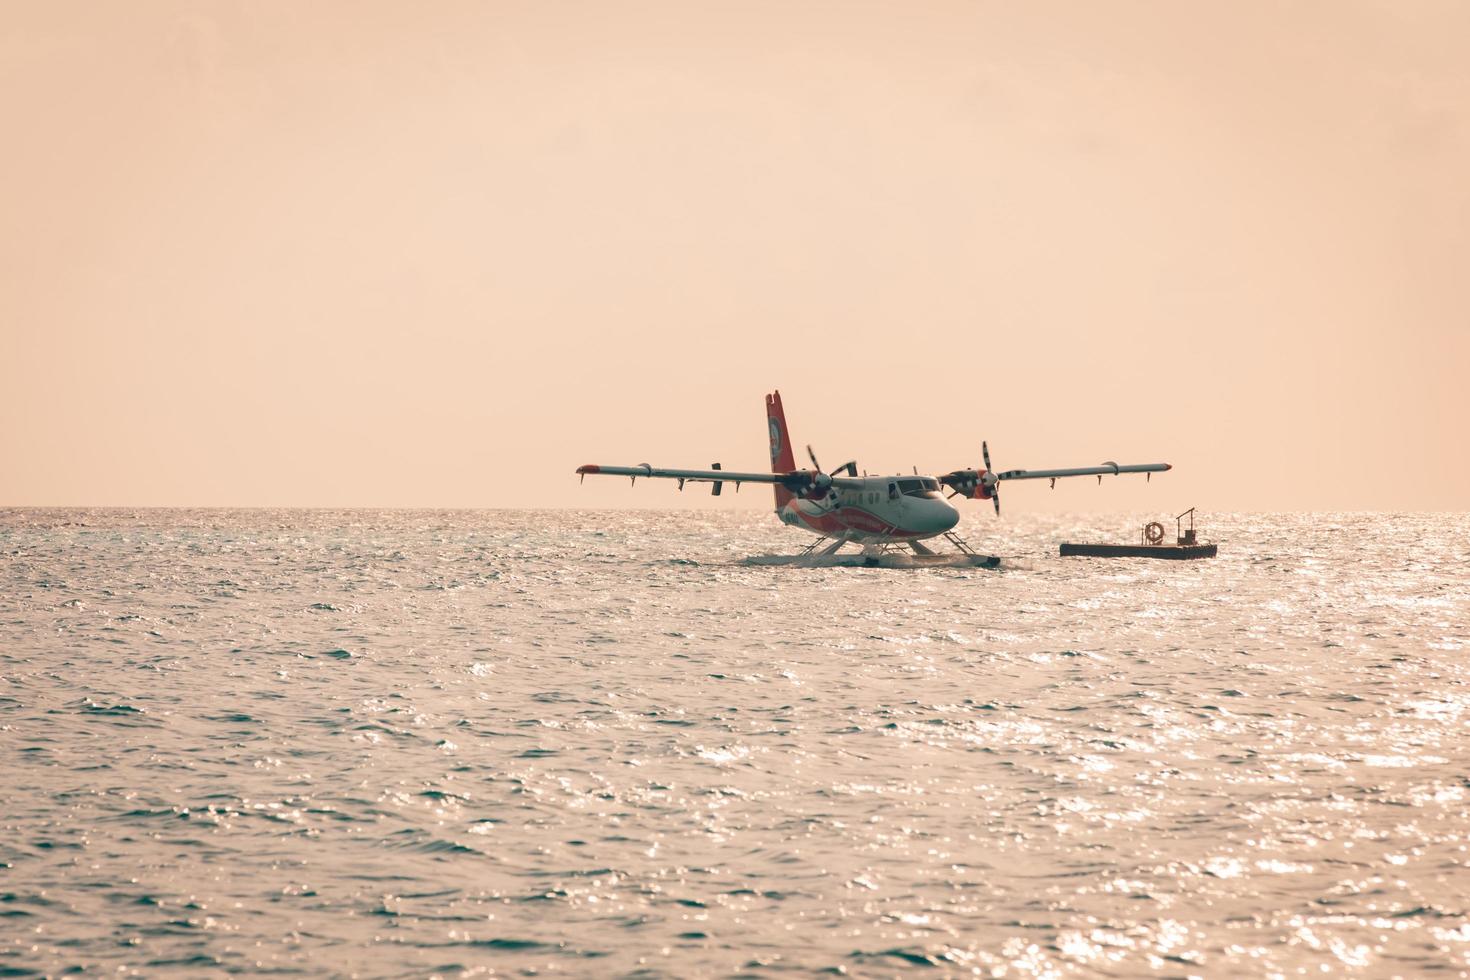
[
  {"x": 1174, "y": 551},
  {"x": 1150, "y": 544}
]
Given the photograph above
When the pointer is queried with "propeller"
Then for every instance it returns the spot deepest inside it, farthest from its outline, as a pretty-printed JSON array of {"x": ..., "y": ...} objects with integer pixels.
[
  {"x": 815, "y": 485},
  {"x": 820, "y": 483},
  {"x": 990, "y": 480},
  {"x": 975, "y": 483}
]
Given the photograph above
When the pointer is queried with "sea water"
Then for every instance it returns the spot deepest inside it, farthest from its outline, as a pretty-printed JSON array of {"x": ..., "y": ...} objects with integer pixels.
[{"x": 409, "y": 743}]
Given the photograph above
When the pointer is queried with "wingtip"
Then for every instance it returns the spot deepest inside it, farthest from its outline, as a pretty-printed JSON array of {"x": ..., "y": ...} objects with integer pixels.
[{"x": 589, "y": 468}]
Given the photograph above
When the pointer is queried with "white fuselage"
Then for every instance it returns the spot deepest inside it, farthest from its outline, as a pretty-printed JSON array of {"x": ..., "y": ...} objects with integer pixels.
[{"x": 883, "y": 509}]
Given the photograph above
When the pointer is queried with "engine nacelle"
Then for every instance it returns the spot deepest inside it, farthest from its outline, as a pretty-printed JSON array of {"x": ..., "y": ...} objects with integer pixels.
[
  {"x": 969, "y": 483},
  {"x": 818, "y": 487}
]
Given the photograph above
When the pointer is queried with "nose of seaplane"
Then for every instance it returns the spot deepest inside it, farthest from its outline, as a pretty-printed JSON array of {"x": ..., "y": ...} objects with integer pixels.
[{"x": 939, "y": 516}]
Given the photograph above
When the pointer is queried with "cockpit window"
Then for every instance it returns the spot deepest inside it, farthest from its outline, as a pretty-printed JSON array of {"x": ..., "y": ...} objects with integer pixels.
[{"x": 919, "y": 487}]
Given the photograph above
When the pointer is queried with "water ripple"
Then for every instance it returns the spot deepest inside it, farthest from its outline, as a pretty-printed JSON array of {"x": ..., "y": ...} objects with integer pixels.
[{"x": 416, "y": 743}]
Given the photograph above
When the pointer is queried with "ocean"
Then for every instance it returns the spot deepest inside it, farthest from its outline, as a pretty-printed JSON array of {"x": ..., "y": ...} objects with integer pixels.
[{"x": 476, "y": 743}]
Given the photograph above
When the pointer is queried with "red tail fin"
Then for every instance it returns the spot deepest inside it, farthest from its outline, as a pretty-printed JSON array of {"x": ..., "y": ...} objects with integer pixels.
[{"x": 782, "y": 460}]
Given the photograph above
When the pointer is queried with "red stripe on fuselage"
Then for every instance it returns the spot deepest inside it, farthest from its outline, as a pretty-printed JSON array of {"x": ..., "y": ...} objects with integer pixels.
[{"x": 847, "y": 518}]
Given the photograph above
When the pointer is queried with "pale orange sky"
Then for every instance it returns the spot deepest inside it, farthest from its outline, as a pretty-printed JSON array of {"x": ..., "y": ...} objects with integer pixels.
[{"x": 365, "y": 253}]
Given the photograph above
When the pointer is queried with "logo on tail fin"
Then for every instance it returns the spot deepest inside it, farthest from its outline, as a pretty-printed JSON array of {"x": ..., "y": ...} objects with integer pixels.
[{"x": 775, "y": 440}]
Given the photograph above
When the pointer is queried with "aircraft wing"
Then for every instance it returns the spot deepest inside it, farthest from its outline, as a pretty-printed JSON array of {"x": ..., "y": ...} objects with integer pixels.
[
  {"x": 985, "y": 484},
  {"x": 694, "y": 476},
  {"x": 1106, "y": 469},
  {"x": 796, "y": 479}
]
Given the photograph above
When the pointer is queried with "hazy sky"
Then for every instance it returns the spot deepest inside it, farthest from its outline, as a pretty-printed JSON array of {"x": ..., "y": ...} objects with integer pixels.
[{"x": 428, "y": 254}]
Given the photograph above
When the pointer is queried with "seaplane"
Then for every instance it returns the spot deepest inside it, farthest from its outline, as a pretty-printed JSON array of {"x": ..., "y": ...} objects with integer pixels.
[{"x": 880, "y": 514}]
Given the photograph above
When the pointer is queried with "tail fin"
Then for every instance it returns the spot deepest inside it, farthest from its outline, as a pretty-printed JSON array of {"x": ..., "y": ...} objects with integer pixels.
[{"x": 782, "y": 460}]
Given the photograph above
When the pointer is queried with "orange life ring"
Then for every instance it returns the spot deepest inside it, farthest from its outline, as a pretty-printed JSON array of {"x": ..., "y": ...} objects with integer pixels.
[{"x": 1153, "y": 532}]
